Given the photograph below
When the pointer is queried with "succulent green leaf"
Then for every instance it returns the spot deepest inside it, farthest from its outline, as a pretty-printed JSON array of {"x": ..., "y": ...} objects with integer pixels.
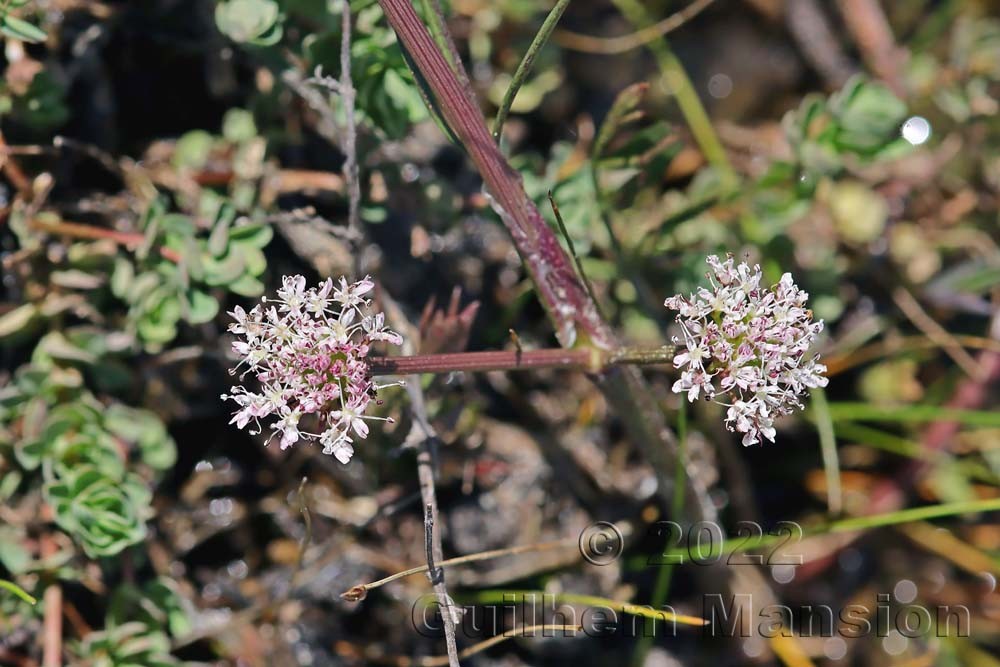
[{"x": 20, "y": 29}]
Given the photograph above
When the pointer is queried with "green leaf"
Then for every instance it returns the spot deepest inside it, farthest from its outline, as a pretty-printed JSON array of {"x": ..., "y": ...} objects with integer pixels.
[
  {"x": 141, "y": 287},
  {"x": 146, "y": 430},
  {"x": 121, "y": 277},
  {"x": 104, "y": 515},
  {"x": 253, "y": 235},
  {"x": 623, "y": 111},
  {"x": 20, "y": 29},
  {"x": 247, "y": 286},
  {"x": 158, "y": 605},
  {"x": 868, "y": 115},
  {"x": 17, "y": 590},
  {"x": 256, "y": 262},
  {"x": 14, "y": 555},
  {"x": 192, "y": 149},
  {"x": 218, "y": 240},
  {"x": 249, "y": 21},
  {"x": 238, "y": 126},
  {"x": 202, "y": 307},
  {"x": 18, "y": 320},
  {"x": 912, "y": 413},
  {"x": 224, "y": 270}
]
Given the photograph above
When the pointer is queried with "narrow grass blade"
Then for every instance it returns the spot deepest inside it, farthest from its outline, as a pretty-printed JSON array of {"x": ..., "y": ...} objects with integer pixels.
[
  {"x": 18, "y": 591},
  {"x": 828, "y": 448},
  {"x": 912, "y": 413}
]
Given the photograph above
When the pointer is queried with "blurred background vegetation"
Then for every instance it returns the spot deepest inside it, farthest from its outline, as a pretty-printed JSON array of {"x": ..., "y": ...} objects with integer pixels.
[{"x": 163, "y": 161}]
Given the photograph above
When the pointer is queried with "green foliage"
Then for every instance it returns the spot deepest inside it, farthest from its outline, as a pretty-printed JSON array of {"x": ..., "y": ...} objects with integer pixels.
[
  {"x": 859, "y": 123},
  {"x": 80, "y": 445},
  {"x": 17, "y": 28},
  {"x": 961, "y": 84},
  {"x": 105, "y": 513},
  {"x": 161, "y": 293},
  {"x": 129, "y": 645},
  {"x": 387, "y": 98},
  {"x": 158, "y": 604},
  {"x": 255, "y": 22},
  {"x": 138, "y": 625},
  {"x": 40, "y": 107},
  {"x": 14, "y": 589}
]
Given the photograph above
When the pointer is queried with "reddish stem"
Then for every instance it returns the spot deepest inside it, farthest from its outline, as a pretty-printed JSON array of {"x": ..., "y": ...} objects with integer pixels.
[
  {"x": 495, "y": 360},
  {"x": 80, "y": 231},
  {"x": 559, "y": 288},
  {"x": 588, "y": 360},
  {"x": 52, "y": 629}
]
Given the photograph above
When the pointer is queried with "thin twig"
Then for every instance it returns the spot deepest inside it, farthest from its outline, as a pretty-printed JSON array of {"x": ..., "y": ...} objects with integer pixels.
[
  {"x": 360, "y": 591},
  {"x": 524, "y": 67},
  {"x": 327, "y": 125},
  {"x": 572, "y": 248},
  {"x": 306, "y": 536},
  {"x": 837, "y": 364},
  {"x": 937, "y": 333},
  {"x": 434, "y": 574},
  {"x": 428, "y": 493},
  {"x": 624, "y": 43},
  {"x": 349, "y": 137},
  {"x": 442, "y": 660}
]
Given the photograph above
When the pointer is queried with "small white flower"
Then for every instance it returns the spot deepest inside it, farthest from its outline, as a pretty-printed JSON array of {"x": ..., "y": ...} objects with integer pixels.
[
  {"x": 288, "y": 425},
  {"x": 337, "y": 444},
  {"x": 753, "y": 340}
]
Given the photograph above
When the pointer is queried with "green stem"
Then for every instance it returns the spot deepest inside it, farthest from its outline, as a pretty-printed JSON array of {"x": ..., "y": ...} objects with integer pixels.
[
  {"x": 572, "y": 250},
  {"x": 828, "y": 448},
  {"x": 680, "y": 85},
  {"x": 524, "y": 68},
  {"x": 13, "y": 588},
  {"x": 661, "y": 588}
]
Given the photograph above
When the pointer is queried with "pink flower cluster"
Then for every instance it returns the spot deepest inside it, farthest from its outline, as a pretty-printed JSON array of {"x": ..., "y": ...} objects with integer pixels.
[
  {"x": 747, "y": 343},
  {"x": 308, "y": 353}
]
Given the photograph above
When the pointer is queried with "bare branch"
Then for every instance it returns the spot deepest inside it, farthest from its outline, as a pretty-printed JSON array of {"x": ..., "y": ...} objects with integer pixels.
[{"x": 349, "y": 143}]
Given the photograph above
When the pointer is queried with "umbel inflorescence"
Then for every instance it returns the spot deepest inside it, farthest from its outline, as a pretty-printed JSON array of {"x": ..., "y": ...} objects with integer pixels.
[
  {"x": 745, "y": 347},
  {"x": 307, "y": 350}
]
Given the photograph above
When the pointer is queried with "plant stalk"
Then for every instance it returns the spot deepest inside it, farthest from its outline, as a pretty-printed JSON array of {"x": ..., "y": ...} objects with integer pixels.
[
  {"x": 574, "y": 314},
  {"x": 524, "y": 68},
  {"x": 589, "y": 360}
]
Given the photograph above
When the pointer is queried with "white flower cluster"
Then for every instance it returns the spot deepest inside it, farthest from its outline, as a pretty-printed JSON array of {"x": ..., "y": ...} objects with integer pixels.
[
  {"x": 308, "y": 353},
  {"x": 747, "y": 343}
]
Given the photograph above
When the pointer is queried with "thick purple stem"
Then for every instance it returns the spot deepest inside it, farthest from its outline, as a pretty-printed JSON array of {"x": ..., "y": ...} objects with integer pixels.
[{"x": 559, "y": 288}]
